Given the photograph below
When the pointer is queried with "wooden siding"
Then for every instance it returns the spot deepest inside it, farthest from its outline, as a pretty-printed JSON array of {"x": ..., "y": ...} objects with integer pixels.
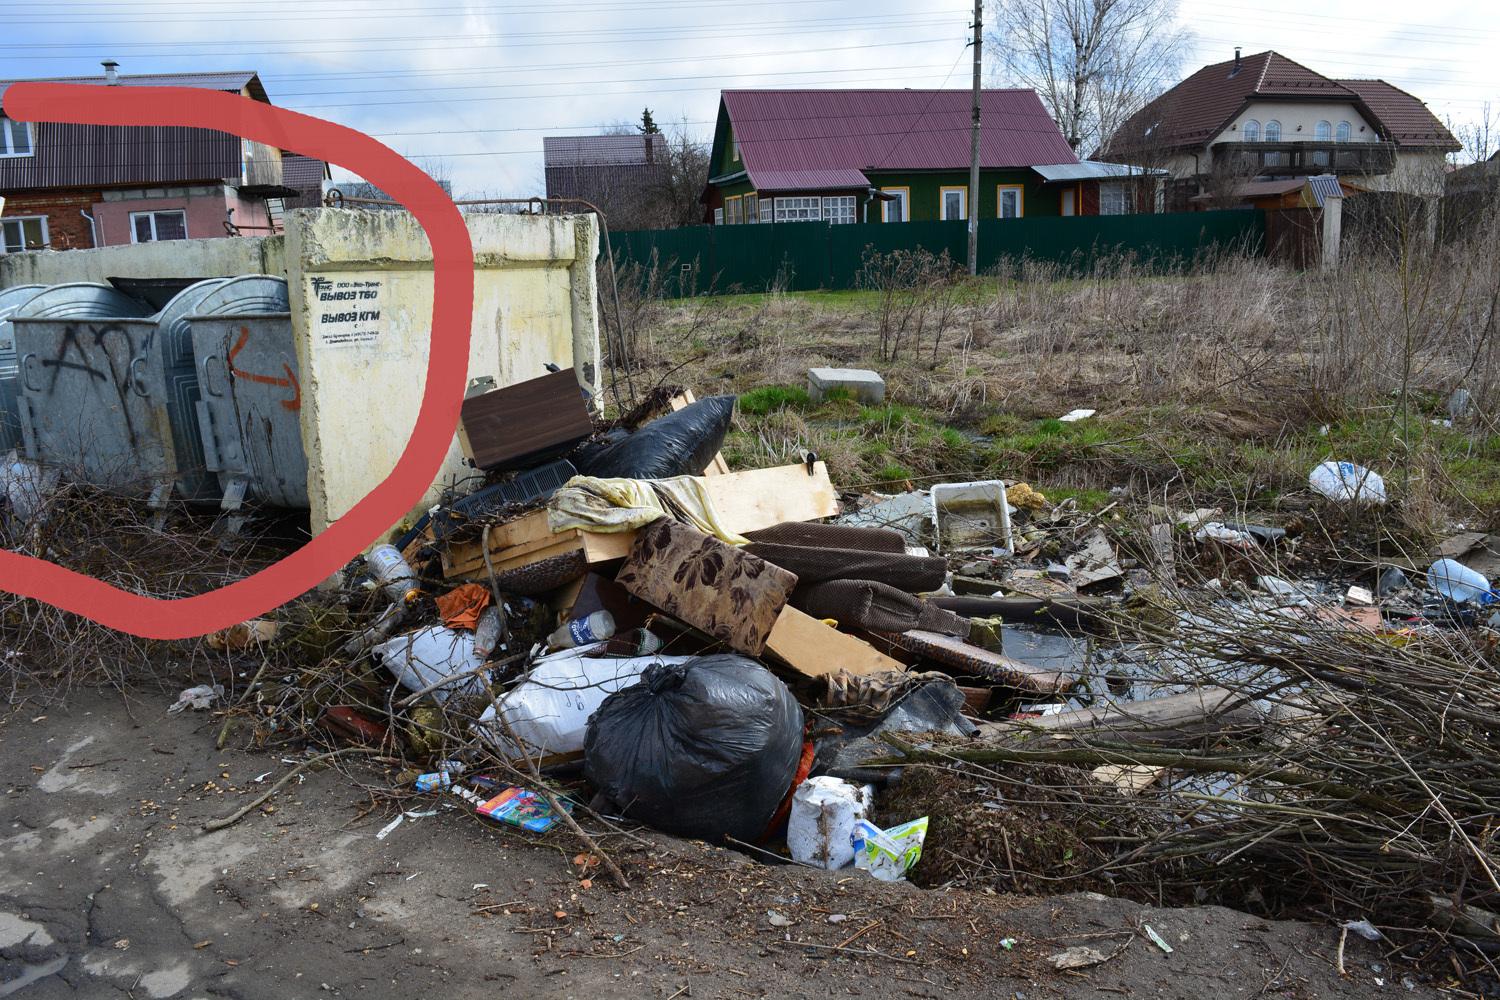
[{"x": 70, "y": 156}]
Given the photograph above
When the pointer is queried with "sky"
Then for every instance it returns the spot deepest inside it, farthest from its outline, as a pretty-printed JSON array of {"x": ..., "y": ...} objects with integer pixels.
[{"x": 468, "y": 89}]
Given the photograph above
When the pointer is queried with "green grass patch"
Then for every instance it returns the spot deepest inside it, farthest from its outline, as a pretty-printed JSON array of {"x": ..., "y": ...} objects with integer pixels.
[{"x": 766, "y": 398}]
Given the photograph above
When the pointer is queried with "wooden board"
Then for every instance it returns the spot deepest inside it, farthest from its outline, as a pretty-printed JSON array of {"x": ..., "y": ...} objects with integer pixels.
[
  {"x": 1175, "y": 720},
  {"x": 813, "y": 649},
  {"x": 718, "y": 467},
  {"x": 526, "y": 423},
  {"x": 528, "y": 539},
  {"x": 746, "y": 501}
]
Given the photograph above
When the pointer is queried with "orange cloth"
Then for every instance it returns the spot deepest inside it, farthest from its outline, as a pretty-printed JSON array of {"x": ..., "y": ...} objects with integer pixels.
[{"x": 460, "y": 607}]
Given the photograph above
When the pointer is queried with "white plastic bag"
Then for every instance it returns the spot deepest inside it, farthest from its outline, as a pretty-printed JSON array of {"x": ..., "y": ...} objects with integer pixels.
[
  {"x": 820, "y": 829},
  {"x": 888, "y": 854},
  {"x": 549, "y": 711},
  {"x": 1347, "y": 481},
  {"x": 431, "y": 654},
  {"x": 197, "y": 698}
]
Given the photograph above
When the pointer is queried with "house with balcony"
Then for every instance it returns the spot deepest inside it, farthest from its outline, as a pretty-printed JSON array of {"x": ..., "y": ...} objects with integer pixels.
[
  {"x": 71, "y": 186},
  {"x": 843, "y": 156},
  {"x": 1265, "y": 118}
]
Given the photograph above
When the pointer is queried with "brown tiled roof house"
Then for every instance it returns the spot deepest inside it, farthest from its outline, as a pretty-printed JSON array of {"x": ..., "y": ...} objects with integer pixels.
[{"x": 1266, "y": 117}]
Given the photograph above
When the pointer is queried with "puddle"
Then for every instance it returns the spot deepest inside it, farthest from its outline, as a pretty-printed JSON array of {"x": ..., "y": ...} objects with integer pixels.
[{"x": 31, "y": 973}]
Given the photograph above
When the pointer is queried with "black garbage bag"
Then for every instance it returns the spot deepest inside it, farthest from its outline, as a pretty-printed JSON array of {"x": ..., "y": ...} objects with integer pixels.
[
  {"x": 700, "y": 749},
  {"x": 681, "y": 443}
]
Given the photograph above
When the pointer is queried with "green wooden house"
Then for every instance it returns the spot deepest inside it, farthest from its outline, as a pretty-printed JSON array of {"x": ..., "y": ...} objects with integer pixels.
[{"x": 895, "y": 156}]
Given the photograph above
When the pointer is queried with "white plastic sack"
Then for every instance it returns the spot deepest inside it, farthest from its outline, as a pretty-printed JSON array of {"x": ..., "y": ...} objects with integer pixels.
[
  {"x": 549, "y": 711},
  {"x": 197, "y": 698},
  {"x": 1347, "y": 481},
  {"x": 888, "y": 854},
  {"x": 820, "y": 829},
  {"x": 431, "y": 654}
]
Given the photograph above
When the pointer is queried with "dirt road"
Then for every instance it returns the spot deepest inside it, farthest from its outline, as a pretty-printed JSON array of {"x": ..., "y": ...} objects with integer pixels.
[{"x": 109, "y": 887}]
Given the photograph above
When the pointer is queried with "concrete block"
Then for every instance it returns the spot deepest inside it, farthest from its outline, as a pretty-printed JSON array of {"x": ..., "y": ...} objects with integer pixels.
[{"x": 867, "y": 386}]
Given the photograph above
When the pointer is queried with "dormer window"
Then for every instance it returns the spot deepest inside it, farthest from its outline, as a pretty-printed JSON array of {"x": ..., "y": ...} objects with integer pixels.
[
  {"x": 1322, "y": 132},
  {"x": 1341, "y": 133},
  {"x": 15, "y": 138},
  {"x": 1252, "y": 131},
  {"x": 1273, "y": 131}
]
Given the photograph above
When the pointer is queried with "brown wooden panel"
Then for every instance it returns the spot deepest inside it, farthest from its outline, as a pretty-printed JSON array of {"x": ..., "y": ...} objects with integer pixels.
[{"x": 525, "y": 423}]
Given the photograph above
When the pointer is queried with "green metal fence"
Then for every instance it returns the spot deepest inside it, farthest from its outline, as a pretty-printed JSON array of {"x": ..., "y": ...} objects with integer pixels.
[{"x": 804, "y": 256}]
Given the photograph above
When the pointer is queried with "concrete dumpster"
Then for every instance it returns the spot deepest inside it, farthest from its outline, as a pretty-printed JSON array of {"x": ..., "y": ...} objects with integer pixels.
[
  {"x": 250, "y": 411},
  {"x": 11, "y": 299}
]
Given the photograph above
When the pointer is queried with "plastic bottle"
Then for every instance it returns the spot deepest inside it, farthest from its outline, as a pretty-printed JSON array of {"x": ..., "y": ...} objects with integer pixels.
[
  {"x": 487, "y": 632},
  {"x": 392, "y": 572},
  {"x": 1458, "y": 582},
  {"x": 581, "y": 631}
]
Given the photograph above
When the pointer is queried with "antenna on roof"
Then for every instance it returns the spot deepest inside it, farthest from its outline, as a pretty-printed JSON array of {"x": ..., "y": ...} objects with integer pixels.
[{"x": 111, "y": 78}]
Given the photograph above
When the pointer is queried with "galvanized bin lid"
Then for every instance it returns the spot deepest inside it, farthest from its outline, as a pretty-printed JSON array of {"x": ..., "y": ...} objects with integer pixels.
[
  {"x": 15, "y": 297},
  {"x": 249, "y": 294},
  {"x": 83, "y": 299}
]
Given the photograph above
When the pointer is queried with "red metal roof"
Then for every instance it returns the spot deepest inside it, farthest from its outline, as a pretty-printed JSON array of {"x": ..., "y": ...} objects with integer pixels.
[
  {"x": 1198, "y": 108},
  {"x": 1401, "y": 116},
  {"x": 848, "y": 131}
]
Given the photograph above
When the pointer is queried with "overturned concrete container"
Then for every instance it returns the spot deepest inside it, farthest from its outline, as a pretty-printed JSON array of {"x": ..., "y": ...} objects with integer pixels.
[
  {"x": 11, "y": 299},
  {"x": 251, "y": 406},
  {"x": 361, "y": 287}
]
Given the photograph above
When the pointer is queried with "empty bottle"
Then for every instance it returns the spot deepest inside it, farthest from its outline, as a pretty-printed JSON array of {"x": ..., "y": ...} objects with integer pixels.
[
  {"x": 1458, "y": 582},
  {"x": 487, "y": 632},
  {"x": 392, "y": 572},
  {"x": 581, "y": 631}
]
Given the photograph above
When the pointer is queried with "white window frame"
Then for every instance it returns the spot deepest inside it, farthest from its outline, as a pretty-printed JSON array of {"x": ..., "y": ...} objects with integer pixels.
[
  {"x": 7, "y": 137},
  {"x": 963, "y": 203},
  {"x": 1273, "y": 125},
  {"x": 46, "y": 234},
  {"x": 718, "y": 216},
  {"x": 1019, "y": 190},
  {"x": 1341, "y": 132},
  {"x": 1251, "y": 130},
  {"x": 152, "y": 214},
  {"x": 840, "y": 209},
  {"x": 902, "y": 196},
  {"x": 799, "y": 208},
  {"x": 767, "y": 209},
  {"x": 1114, "y": 198},
  {"x": 1322, "y": 132}
]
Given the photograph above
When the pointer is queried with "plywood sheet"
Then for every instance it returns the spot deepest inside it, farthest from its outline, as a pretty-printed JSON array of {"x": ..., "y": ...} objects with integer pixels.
[{"x": 812, "y": 648}]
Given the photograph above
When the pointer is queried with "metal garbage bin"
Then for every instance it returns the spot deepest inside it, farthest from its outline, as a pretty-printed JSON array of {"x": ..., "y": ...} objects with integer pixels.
[
  {"x": 250, "y": 411},
  {"x": 11, "y": 299},
  {"x": 83, "y": 401}
]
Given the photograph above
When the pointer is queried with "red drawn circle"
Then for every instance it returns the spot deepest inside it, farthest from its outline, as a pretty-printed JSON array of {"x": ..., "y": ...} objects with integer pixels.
[{"x": 448, "y": 353}]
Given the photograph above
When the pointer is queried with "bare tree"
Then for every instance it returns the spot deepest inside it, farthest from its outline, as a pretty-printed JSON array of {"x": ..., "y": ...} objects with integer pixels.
[
  {"x": 1094, "y": 63},
  {"x": 685, "y": 177}
]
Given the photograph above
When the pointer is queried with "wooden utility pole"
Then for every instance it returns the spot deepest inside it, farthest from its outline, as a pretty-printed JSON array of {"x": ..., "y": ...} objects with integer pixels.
[{"x": 973, "y": 205}]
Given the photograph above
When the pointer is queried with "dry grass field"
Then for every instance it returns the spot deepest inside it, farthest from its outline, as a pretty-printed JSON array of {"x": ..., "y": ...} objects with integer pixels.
[{"x": 1226, "y": 380}]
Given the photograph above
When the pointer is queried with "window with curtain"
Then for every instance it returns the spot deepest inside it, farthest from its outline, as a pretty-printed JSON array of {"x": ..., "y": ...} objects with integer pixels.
[
  {"x": 1252, "y": 131},
  {"x": 1273, "y": 131}
]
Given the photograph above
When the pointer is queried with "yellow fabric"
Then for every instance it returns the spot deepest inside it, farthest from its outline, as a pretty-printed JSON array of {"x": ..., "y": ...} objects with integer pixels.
[{"x": 614, "y": 505}]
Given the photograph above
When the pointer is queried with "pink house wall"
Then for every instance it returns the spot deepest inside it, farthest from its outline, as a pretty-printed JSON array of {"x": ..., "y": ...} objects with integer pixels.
[{"x": 206, "y": 213}]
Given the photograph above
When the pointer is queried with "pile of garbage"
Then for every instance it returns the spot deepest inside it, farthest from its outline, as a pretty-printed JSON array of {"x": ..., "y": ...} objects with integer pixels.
[
  {"x": 1143, "y": 700},
  {"x": 613, "y": 625}
]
